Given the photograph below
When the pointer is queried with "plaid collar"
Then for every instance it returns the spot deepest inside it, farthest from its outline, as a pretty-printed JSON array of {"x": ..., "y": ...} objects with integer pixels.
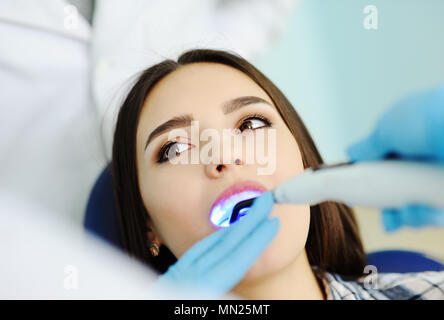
[{"x": 386, "y": 286}]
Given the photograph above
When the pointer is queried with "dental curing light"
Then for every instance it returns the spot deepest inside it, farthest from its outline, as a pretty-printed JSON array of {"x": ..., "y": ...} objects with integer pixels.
[
  {"x": 233, "y": 209},
  {"x": 374, "y": 184},
  {"x": 241, "y": 210}
]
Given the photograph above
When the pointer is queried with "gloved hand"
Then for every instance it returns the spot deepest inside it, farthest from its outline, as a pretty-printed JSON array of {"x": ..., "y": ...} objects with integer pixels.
[
  {"x": 215, "y": 264},
  {"x": 412, "y": 129}
]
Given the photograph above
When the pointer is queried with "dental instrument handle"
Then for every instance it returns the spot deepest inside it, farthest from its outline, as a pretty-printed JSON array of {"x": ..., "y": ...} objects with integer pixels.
[{"x": 375, "y": 184}]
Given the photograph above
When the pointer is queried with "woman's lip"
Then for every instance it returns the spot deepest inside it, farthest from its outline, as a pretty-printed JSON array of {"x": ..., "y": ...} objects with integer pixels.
[{"x": 238, "y": 188}]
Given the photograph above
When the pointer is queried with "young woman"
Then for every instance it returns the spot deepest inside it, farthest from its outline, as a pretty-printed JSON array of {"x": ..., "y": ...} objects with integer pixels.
[{"x": 164, "y": 208}]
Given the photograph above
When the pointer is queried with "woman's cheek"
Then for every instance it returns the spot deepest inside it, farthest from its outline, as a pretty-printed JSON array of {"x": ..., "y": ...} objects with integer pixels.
[
  {"x": 288, "y": 159},
  {"x": 178, "y": 214}
]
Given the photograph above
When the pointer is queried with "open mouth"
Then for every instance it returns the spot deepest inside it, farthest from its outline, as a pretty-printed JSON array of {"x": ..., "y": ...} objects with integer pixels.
[{"x": 234, "y": 202}]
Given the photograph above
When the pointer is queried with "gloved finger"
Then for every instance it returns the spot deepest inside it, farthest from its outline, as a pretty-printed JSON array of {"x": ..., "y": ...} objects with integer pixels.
[
  {"x": 238, "y": 232},
  {"x": 419, "y": 216},
  {"x": 412, "y": 128},
  {"x": 200, "y": 247},
  {"x": 238, "y": 261},
  {"x": 412, "y": 215},
  {"x": 212, "y": 282},
  {"x": 391, "y": 220},
  {"x": 176, "y": 273},
  {"x": 367, "y": 149}
]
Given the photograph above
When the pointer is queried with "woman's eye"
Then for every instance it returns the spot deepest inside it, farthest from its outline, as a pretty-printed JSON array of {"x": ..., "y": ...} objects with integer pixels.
[
  {"x": 254, "y": 123},
  {"x": 172, "y": 150}
]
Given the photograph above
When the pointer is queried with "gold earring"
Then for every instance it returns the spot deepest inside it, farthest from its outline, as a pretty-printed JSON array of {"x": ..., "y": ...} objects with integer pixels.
[{"x": 154, "y": 249}]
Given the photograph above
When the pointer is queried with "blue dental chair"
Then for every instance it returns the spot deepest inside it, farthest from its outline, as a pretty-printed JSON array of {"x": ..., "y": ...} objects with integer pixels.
[
  {"x": 101, "y": 215},
  {"x": 101, "y": 220}
]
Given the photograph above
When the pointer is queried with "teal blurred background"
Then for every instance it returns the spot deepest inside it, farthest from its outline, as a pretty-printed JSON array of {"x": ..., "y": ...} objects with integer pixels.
[{"x": 340, "y": 76}]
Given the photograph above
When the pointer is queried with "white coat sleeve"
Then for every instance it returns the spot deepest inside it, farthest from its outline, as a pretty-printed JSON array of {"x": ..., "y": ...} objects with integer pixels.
[{"x": 50, "y": 144}]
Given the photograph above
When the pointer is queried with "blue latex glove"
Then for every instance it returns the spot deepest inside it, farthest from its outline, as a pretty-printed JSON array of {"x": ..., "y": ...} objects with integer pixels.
[
  {"x": 412, "y": 129},
  {"x": 215, "y": 264}
]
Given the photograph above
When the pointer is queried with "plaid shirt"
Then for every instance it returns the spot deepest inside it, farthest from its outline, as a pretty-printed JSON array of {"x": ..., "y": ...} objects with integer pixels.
[{"x": 386, "y": 286}]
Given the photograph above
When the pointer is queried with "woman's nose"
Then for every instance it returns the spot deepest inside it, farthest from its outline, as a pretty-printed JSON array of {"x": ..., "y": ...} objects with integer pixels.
[{"x": 215, "y": 170}]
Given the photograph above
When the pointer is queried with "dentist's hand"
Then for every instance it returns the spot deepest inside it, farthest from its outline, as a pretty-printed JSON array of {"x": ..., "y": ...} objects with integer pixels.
[
  {"x": 215, "y": 264},
  {"x": 412, "y": 129}
]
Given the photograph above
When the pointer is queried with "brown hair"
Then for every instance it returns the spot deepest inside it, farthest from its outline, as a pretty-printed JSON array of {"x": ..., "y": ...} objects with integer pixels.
[{"x": 333, "y": 242}]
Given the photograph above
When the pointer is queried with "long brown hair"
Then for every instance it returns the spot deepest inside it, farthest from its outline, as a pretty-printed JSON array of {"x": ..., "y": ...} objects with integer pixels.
[{"x": 333, "y": 242}]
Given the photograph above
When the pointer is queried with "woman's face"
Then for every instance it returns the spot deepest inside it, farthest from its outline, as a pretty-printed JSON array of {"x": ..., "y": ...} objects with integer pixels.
[{"x": 179, "y": 197}]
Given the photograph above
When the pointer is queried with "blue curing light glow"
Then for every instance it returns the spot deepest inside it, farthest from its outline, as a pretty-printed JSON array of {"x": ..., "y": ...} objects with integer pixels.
[
  {"x": 221, "y": 213},
  {"x": 243, "y": 212}
]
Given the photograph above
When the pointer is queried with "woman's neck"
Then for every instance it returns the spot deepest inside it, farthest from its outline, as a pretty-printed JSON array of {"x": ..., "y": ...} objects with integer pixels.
[{"x": 296, "y": 281}]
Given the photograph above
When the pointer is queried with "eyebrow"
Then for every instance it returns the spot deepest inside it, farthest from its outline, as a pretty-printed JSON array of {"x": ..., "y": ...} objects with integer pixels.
[
  {"x": 235, "y": 104},
  {"x": 185, "y": 120}
]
